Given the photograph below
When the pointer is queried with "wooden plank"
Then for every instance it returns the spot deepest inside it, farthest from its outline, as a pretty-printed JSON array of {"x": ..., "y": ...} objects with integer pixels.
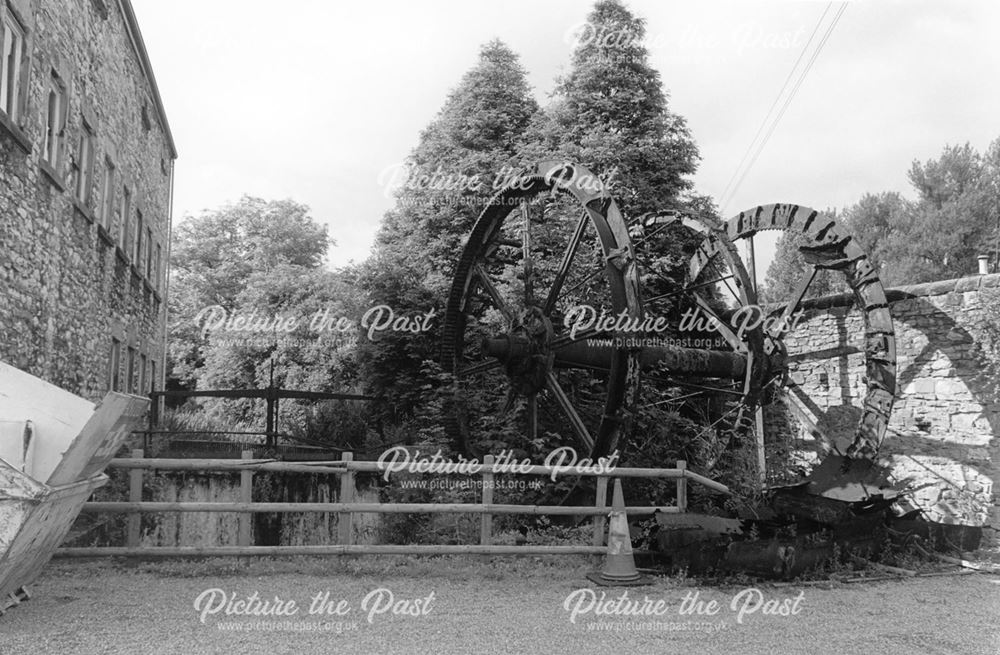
[
  {"x": 682, "y": 490},
  {"x": 339, "y": 467},
  {"x": 374, "y": 508},
  {"x": 345, "y": 521},
  {"x": 135, "y": 498},
  {"x": 261, "y": 393},
  {"x": 600, "y": 503},
  {"x": 343, "y": 549},
  {"x": 246, "y": 496},
  {"x": 91, "y": 451},
  {"x": 486, "y": 520}
]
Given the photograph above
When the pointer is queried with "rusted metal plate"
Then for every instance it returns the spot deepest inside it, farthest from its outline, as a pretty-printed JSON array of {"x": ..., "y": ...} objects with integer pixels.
[{"x": 849, "y": 479}]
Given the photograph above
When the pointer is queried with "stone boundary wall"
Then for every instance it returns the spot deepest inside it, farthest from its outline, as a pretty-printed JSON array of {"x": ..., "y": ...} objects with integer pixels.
[{"x": 946, "y": 418}]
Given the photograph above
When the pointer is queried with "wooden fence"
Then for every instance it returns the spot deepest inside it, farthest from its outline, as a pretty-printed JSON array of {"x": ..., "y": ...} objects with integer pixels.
[{"x": 347, "y": 468}]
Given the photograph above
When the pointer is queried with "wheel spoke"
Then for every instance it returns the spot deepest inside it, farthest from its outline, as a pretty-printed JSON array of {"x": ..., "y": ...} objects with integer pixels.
[
  {"x": 567, "y": 407},
  {"x": 805, "y": 415},
  {"x": 675, "y": 400},
  {"x": 720, "y": 325},
  {"x": 481, "y": 367},
  {"x": 492, "y": 292},
  {"x": 582, "y": 335},
  {"x": 691, "y": 385},
  {"x": 529, "y": 266},
  {"x": 508, "y": 403},
  {"x": 587, "y": 278},
  {"x": 671, "y": 294},
  {"x": 560, "y": 279},
  {"x": 827, "y": 353},
  {"x": 800, "y": 293}
]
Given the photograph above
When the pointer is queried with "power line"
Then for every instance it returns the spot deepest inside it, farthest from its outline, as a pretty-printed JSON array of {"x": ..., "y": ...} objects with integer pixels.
[
  {"x": 774, "y": 104},
  {"x": 788, "y": 100}
]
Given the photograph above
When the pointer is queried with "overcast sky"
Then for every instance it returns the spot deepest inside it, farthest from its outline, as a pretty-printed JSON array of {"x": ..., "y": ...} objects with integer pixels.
[{"x": 311, "y": 100}]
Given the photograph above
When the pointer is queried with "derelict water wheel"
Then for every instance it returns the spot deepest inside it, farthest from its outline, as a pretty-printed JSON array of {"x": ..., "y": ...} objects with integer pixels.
[
  {"x": 826, "y": 245},
  {"x": 549, "y": 241},
  {"x": 717, "y": 286}
]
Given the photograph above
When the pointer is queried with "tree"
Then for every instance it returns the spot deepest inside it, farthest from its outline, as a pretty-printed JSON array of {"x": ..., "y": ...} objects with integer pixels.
[
  {"x": 468, "y": 147},
  {"x": 457, "y": 165},
  {"x": 219, "y": 254},
  {"x": 610, "y": 113},
  {"x": 953, "y": 220}
]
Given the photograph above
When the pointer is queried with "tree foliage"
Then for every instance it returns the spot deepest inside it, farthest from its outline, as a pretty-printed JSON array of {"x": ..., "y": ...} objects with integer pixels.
[
  {"x": 461, "y": 159},
  {"x": 953, "y": 220}
]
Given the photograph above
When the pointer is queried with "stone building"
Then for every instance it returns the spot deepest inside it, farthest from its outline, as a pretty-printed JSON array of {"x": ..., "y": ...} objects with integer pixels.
[{"x": 86, "y": 175}]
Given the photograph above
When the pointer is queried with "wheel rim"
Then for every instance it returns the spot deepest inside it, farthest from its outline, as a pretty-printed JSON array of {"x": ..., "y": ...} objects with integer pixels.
[
  {"x": 830, "y": 247},
  {"x": 521, "y": 306}
]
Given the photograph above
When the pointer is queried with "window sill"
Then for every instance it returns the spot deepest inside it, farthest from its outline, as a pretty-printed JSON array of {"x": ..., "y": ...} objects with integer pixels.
[
  {"x": 16, "y": 133},
  {"x": 83, "y": 210},
  {"x": 53, "y": 176},
  {"x": 105, "y": 237}
]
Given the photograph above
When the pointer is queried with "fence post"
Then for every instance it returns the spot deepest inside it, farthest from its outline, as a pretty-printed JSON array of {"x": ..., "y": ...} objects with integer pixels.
[
  {"x": 682, "y": 487},
  {"x": 486, "y": 526},
  {"x": 246, "y": 496},
  {"x": 600, "y": 501},
  {"x": 345, "y": 527},
  {"x": 135, "y": 496}
]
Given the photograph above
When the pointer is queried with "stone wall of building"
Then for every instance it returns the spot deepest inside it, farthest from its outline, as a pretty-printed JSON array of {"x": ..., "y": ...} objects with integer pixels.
[
  {"x": 946, "y": 418},
  {"x": 86, "y": 164}
]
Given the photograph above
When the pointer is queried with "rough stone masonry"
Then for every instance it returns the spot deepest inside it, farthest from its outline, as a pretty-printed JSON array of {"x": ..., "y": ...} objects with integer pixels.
[
  {"x": 86, "y": 166},
  {"x": 944, "y": 425}
]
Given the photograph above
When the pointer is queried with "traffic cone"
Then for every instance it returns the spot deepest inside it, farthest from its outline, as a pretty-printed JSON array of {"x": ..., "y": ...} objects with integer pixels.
[{"x": 619, "y": 565}]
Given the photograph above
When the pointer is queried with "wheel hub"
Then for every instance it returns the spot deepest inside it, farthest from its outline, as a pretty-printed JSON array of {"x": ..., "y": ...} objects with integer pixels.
[{"x": 525, "y": 350}]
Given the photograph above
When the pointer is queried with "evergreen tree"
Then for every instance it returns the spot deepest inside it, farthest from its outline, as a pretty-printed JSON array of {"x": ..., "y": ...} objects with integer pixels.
[
  {"x": 460, "y": 161},
  {"x": 610, "y": 113}
]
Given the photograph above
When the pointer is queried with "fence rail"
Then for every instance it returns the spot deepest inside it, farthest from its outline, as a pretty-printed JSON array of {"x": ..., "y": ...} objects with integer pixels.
[{"x": 347, "y": 468}]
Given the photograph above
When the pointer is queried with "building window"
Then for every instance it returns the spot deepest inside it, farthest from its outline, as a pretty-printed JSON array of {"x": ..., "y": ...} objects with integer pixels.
[
  {"x": 149, "y": 253},
  {"x": 107, "y": 195},
  {"x": 130, "y": 371},
  {"x": 84, "y": 164},
  {"x": 152, "y": 375},
  {"x": 11, "y": 50},
  {"x": 141, "y": 389},
  {"x": 114, "y": 365},
  {"x": 138, "y": 241},
  {"x": 124, "y": 210},
  {"x": 156, "y": 268},
  {"x": 55, "y": 121}
]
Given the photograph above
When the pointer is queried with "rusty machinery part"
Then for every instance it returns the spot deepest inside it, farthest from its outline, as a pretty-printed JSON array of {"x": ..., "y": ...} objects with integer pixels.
[
  {"x": 507, "y": 303},
  {"x": 828, "y": 246},
  {"x": 715, "y": 276}
]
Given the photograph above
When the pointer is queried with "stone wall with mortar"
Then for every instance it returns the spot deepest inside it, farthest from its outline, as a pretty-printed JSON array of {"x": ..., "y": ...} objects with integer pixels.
[
  {"x": 69, "y": 282},
  {"x": 946, "y": 418}
]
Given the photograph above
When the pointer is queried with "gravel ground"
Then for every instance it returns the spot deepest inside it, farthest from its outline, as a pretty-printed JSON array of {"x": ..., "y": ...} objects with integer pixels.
[{"x": 499, "y": 606}]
